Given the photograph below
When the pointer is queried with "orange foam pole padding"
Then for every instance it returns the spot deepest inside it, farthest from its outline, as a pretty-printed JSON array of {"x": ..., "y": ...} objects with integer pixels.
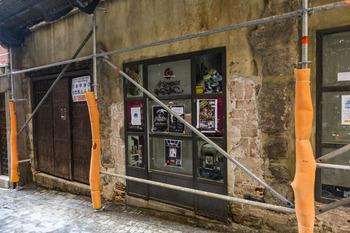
[
  {"x": 14, "y": 155},
  {"x": 304, "y": 180},
  {"x": 95, "y": 151}
]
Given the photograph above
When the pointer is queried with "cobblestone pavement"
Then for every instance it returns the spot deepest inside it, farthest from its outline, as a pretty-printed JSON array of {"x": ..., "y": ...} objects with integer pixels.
[{"x": 34, "y": 209}]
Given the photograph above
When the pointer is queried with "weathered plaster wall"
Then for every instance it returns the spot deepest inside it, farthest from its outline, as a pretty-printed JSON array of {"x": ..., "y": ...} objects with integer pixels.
[{"x": 260, "y": 83}]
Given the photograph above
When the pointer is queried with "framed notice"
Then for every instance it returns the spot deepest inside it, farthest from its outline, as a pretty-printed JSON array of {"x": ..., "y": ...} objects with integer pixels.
[
  {"x": 135, "y": 115},
  {"x": 173, "y": 153},
  {"x": 159, "y": 119},
  {"x": 80, "y": 86},
  {"x": 345, "y": 109},
  {"x": 207, "y": 115},
  {"x": 175, "y": 126}
]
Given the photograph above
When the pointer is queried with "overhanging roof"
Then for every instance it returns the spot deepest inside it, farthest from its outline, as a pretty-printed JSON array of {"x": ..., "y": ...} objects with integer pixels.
[{"x": 16, "y": 16}]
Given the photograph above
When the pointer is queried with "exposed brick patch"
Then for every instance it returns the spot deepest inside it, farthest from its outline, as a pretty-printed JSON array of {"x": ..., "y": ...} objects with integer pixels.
[{"x": 244, "y": 132}]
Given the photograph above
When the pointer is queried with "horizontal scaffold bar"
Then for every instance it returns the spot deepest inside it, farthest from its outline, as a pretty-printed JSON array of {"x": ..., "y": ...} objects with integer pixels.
[
  {"x": 196, "y": 35},
  {"x": 204, "y": 193},
  {"x": 333, "y": 166}
]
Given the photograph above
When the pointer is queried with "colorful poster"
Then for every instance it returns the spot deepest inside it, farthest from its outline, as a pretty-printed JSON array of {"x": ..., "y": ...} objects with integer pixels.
[
  {"x": 159, "y": 119},
  {"x": 173, "y": 153},
  {"x": 207, "y": 119},
  {"x": 80, "y": 86},
  {"x": 175, "y": 126},
  {"x": 135, "y": 151},
  {"x": 135, "y": 116},
  {"x": 345, "y": 109}
]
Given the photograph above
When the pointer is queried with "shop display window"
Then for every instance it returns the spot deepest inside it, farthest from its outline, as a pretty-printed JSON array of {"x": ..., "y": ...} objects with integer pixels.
[
  {"x": 170, "y": 78},
  {"x": 210, "y": 161},
  {"x": 209, "y": 73},
  {"x": 136, "y": 73},
  {"x": 136, "y": 153}
]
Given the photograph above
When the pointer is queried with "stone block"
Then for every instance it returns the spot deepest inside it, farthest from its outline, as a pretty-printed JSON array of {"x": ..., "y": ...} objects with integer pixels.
[
  {"x": 280, "y": 172},
  {"x": 276, "y": 147}
]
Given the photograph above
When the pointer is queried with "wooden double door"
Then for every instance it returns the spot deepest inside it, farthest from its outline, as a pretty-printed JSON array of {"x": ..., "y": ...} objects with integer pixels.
[{"x": 62, "y": 132}]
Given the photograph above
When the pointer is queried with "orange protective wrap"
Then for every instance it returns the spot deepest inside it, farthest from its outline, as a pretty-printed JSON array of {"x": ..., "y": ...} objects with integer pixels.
[
  {"x": 95, "y": 151},
  {"x": 14, "y": 156},
  {"x": 304, "y": 180}
]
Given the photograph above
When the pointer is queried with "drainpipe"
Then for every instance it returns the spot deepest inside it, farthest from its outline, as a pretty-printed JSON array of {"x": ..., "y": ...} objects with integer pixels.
[{"x": 304, "y": 180}]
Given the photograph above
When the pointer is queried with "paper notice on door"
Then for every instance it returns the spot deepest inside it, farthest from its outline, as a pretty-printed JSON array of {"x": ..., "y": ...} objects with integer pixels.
[
  {"x": 80, "y": 86},
  {"x": 345, "y": 109},
  {"x": 135, "y": 116},
  {"x": 343, "y": 76}
]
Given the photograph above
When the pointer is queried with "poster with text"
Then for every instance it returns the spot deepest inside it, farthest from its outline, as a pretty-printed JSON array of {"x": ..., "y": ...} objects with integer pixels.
[
  {"x": 173, "y": 153},
  {"x": 159, "y": 119},
  {"x": 80, "y": 86},
  {"x": 207, "y": 119},
  {"x": 175, "y": 126},
  {"x": 345, "y": 109}
]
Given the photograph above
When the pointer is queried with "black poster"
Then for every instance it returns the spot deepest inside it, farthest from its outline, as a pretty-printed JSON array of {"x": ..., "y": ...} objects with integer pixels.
[
  {"x": 173, "y": 153},
  {"x": 175, "y": 126},
  {"x": 160, "y": 119}
]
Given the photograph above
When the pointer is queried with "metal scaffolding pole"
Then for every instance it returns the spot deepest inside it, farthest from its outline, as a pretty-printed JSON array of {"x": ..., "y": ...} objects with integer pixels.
[
  {"x": 204, "y": 193},
  {"x": 11, "y": 76},
  {"x": 94, "y": 27},
  {"x": 55, "y": 82},
  {"x": 333, "y": 154},
  {"x": 333, "y": 205},
  {"x": 333, "y": 166},
  {"x": 205, "y": 138},
  {"x": 305, "y": 35},
  {"x": 191, "y": 36}
]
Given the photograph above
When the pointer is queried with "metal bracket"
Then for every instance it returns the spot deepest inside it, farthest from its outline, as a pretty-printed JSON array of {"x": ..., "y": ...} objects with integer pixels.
[
  {"x": 18, "y": 100},
  {"x": 305, "y": 62}
]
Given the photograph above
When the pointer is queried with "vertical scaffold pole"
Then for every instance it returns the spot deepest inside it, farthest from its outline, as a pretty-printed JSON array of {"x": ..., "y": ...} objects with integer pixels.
[
  {"x": 304, "y": 180},
  {"x": 13, "y": 138},
  {"x": 94, "y": 27},
  {"x": 94, "y": 177}
]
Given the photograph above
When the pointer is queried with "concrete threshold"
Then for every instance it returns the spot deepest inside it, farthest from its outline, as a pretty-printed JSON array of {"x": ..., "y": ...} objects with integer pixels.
[
  {"x": 56, "y": 183},
  {"x": 4, "y": 182}
]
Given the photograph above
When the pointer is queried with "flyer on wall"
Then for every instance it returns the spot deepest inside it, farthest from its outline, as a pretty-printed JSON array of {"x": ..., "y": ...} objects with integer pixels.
[
  {"x": 175, "y": 126},
  {"x": 159, "y": 119},
  {"x": 135, "y": 115},
  {"x": 173, "y": 153},
  {"x": 345, "y": 109},
  {"x": 207, "y": 119},
  {"x": 80, "y": 86}
]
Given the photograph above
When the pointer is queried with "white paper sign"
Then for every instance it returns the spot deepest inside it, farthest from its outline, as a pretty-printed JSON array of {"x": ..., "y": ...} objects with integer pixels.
[
  {"x": 345, "y": 109},
  {"x": 343, "y": 76},
  {"x": 135, "y": 116},
  {"x": 80, "y": 86}
]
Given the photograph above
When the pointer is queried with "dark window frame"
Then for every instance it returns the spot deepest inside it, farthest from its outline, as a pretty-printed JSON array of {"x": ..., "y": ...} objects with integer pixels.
[
  {"x": 320, "y": 89},
  {"x": 146, "y": 172}
]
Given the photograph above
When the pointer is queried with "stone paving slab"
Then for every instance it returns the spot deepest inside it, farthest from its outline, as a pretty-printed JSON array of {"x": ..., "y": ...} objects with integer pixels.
[{"x": 35, "y": 209}]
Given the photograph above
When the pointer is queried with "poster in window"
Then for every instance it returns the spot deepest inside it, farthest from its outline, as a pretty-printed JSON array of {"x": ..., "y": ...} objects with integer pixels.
[
  {"x": 173, "y": 153},
  {"x": 80, "y": 86},
  {"x": 136, "y": 156},
  {"x": 175, "y": 126},
  {"x": 134, "y": 114},
  {"x": 136, "y": 73},
  {"x": 209, "y": 73},
  {"x": 159, "y": 119},
  {"x": 207, "y": 115},
  {"x": 345, "y": 110}
]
